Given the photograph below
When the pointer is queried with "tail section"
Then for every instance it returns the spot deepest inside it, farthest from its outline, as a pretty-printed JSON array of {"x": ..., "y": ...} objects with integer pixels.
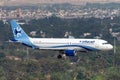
[
  {"x": 18, "y": 32},
  {"x": 20, "y": 35}
]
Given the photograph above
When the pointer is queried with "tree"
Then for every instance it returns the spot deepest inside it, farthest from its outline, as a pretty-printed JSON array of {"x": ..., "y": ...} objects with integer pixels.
[{"x": 2, "y": 74}]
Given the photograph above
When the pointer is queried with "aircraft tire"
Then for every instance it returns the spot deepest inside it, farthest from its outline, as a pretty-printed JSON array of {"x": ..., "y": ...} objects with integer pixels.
[{"x": 59, "y": 56}]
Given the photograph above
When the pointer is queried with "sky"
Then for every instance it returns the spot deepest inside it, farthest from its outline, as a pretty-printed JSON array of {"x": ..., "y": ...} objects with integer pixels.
[{"x": 18, "y": 2}]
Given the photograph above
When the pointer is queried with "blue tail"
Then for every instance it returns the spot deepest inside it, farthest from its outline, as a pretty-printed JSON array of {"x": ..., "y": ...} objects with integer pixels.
[
  {"x": 18, "y": 32},
  {"x": 20, "y": 35}
]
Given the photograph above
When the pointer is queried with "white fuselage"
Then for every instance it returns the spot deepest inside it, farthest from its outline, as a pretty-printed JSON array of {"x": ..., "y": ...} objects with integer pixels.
[{"x": 71, "y": 44}]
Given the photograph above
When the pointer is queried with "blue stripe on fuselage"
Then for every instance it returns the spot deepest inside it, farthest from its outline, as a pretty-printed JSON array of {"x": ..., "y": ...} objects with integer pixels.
[{"x": 81, "y": 46}]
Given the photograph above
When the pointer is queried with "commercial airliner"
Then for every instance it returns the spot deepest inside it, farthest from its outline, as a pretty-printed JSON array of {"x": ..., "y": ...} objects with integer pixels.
[{"x": 66, "y": 46}]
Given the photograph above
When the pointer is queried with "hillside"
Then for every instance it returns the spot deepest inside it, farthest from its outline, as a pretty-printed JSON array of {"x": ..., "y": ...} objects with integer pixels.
[{"x": 43, "y": 65}]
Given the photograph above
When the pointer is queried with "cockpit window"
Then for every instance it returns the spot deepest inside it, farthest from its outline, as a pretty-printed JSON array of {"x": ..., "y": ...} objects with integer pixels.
[{"x": 104, "y": 43}]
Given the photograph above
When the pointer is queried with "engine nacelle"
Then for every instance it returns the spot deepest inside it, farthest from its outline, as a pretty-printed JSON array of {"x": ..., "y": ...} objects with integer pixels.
[{"x": 70, "y": 52}]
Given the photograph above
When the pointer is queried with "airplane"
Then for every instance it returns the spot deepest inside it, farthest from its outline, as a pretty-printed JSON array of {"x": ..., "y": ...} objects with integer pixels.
[{"x": 65, "y": 46}]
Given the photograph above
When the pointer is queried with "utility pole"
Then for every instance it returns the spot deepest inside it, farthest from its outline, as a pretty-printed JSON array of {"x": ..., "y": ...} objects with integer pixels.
[
  {"x": 114, "y": 52},
  {"x": 27, "y": 56},
  {"x": 114, "y": 46}
]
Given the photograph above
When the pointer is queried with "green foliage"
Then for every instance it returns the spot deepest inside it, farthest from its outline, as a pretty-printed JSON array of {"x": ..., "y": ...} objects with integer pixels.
[
  {"x": 2, "y": 74},
  {"x": 98, "y": 78},
  {"x": 2, "y": 55},
  {"x": 61, "y": 76}
]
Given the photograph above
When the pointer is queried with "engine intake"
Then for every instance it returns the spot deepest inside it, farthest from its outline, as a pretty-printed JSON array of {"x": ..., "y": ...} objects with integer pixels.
[{"x": 70, "y": 52}]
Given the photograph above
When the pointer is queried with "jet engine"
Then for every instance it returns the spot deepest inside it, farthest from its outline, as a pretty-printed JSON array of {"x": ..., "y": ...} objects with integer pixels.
[{"x": 70, "y": 52}]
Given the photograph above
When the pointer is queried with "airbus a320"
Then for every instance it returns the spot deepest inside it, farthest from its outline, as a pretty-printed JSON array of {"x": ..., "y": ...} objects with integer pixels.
[{"x": 66, "y": 46}]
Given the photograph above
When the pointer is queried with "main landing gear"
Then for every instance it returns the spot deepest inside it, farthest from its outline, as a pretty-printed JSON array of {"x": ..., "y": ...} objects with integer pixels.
[{"x": 61, "y": 55}]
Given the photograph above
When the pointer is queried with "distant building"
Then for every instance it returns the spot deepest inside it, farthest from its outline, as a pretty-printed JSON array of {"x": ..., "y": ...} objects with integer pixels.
[
  {"x": 86, "y": 34},
  {"x": 115, "y": 34},
  {"x": 19, "y": 13},
  {"x": 33, "y": 33},
  {"x": 110, "y": 30}
]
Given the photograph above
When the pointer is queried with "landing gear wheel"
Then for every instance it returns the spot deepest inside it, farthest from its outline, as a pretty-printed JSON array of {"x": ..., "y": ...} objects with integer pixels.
[{"x": 59, "y": 56}]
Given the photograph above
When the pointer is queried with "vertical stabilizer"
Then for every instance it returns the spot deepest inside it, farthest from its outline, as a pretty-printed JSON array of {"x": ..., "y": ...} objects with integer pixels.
[
  {"x": 18, "y": 32},
  {"x": 20, "y": 35}
]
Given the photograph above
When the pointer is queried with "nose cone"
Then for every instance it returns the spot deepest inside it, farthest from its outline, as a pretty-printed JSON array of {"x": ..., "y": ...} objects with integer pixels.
[{"x": 110, "y": 47}]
